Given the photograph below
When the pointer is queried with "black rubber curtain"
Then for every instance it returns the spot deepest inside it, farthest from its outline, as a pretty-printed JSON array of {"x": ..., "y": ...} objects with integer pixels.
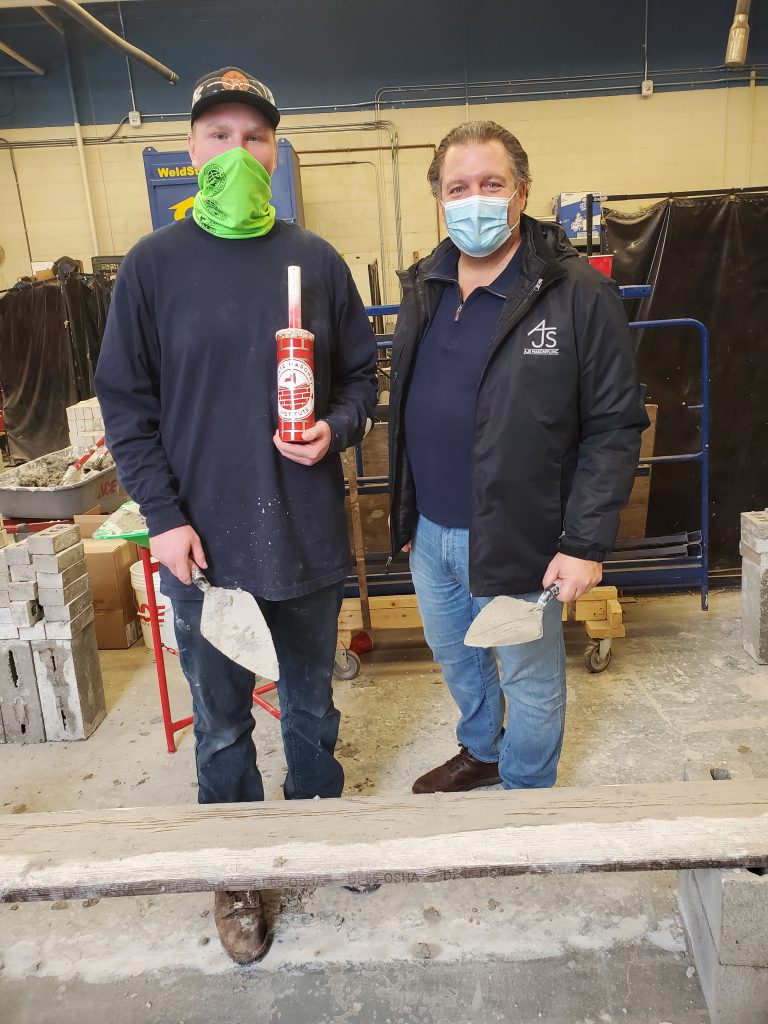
[{"x": 707, "y": 258}]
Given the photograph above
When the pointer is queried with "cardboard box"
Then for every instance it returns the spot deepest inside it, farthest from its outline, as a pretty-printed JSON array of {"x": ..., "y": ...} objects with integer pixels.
[
  {"x": 89, "y": 524},
  {"x": 113, "y": 633},
  {"x": 570, "y": 210},
  {"x": 109, "y": 566}
]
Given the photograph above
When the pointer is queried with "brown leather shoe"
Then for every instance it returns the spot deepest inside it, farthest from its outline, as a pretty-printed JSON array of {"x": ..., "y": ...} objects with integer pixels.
[
  {"x": 458, "y": 775},
  {"x": 242, "y": 925}
]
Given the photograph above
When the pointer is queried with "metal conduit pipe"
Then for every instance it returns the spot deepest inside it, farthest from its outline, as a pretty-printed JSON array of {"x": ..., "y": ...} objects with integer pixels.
[
  {"x": 22, "y": 60},
  {"x": 81, "y": 152},
  {"x": 112, "y": 39},
  {"x": 738, "y": 37},
  {"x": 21, "y": 203}
]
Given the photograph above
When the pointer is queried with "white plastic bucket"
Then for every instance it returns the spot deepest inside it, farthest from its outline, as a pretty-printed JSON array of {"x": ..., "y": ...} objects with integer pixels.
[{"x": 164, "y": 609}]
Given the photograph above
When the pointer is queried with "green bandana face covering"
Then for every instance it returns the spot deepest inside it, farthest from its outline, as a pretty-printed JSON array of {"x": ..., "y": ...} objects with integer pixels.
[{"x": 233, "y": 201}]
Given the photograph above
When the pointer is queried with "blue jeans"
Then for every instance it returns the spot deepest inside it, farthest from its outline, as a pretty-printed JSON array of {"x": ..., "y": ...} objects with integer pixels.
[
  {"x": 304, "y": 633},
  {"x": 532, "y": 675}
]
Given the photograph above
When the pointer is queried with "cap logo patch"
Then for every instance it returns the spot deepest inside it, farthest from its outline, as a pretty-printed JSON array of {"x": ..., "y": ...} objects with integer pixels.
[{"x": 235, "y": 80}]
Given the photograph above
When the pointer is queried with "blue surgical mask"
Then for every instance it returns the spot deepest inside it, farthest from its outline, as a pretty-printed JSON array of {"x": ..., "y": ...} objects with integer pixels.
[{"x": 478, "y": 224}]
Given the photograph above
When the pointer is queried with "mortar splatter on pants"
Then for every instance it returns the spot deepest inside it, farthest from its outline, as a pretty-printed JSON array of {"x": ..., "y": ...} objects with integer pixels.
[{"x": 304, "y": 632}]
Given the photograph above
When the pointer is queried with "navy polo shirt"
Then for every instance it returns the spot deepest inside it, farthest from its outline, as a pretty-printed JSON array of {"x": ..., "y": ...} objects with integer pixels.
[{"x": 440, "y": 404}]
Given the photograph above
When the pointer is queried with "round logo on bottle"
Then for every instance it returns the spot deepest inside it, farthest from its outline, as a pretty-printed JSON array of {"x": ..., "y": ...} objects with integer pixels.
[{"x": 295, "y": 389}]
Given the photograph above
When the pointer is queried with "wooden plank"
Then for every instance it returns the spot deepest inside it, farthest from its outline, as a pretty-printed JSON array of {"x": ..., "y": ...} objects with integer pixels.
[
  {"x": 615, "y": 613},
  {"x": 399, "y": 612},
  {"x": 289, "y": 844},
  {"x": 357, "y": 534},
  {"x": 586, "y": 609},
  {"x": 600, "y": 630}
]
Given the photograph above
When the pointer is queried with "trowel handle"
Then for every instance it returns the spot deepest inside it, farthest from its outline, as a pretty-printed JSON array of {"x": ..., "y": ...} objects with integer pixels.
[
  {"x": 200, "y": 580},
  {"x": 547, "y": 596}
]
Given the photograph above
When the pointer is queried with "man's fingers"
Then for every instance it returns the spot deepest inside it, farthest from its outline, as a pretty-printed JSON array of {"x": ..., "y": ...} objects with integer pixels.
[
  {"x": 568, "y": 592},
  {"x": 549, "y": 577},
  {"x": 198, "y": 555}
]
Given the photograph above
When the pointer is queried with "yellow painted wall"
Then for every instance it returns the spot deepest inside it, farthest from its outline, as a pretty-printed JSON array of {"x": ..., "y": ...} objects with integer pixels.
[{"x": 672, "y": 141}]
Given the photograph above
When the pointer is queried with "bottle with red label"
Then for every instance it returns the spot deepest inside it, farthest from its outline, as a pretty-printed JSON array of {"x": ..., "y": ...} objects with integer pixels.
[{"x": 295, "y": 369}]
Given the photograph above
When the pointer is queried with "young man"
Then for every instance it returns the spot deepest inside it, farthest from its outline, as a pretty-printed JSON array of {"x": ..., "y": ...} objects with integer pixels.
[
  {"x": 187, "y": 385},
  {"x": 515, "y": 422}
]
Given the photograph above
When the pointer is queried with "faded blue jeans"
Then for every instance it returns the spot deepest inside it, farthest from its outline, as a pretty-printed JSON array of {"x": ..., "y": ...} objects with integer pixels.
[
  {"x": 532, "y": 679},
  {"x": 304, "y": 632}
]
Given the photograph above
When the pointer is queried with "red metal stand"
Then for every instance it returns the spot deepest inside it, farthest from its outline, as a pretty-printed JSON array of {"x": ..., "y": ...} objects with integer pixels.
[{"x": 171, "y": 727}]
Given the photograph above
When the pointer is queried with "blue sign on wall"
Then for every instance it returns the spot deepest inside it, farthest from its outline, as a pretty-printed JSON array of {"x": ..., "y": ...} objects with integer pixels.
[{"x": 172, "y": 185}]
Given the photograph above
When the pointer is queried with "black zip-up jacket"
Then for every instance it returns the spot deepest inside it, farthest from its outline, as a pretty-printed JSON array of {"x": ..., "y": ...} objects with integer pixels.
[{"x": 558, "y": 416}]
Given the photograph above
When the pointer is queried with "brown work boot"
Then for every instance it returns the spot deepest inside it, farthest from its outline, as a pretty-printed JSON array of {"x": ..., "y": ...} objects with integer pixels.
[
  {"x": 458, "y": 775},
  {"x": 242, "y": 925}
]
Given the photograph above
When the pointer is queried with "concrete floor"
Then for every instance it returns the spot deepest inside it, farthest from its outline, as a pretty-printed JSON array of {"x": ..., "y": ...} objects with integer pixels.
[{"x": 596, "y": 949}]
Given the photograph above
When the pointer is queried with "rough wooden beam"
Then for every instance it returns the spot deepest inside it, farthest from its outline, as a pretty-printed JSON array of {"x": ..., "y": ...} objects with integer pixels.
[{"x": 74, "y": 854}]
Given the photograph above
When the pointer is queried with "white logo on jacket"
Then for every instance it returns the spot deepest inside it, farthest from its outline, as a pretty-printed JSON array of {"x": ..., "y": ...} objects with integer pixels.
[{"x": 544, "y": 340}]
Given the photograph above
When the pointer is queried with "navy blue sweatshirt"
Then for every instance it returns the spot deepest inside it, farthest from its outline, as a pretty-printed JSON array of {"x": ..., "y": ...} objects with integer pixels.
[{"x": 187, "y": 384}]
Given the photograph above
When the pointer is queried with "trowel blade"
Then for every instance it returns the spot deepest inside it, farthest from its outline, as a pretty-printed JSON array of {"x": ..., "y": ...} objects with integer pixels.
[
  {"x": 233, "y": 623},
  {"x": 505, "y": 621}
]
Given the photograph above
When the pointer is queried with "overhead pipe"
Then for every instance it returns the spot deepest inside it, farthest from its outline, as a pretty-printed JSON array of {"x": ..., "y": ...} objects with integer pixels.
[
  {"x": 22, "y": 60},
  {"x": 50, "y": 17},
  {"x": 738, "y": 37},
  {"x": 81, "y": 152},
  {"x": 112, "y": 39}
]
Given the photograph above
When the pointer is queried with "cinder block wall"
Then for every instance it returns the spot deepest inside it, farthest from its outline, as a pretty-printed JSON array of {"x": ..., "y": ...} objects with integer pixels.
[{"x": 709, "y": 138}]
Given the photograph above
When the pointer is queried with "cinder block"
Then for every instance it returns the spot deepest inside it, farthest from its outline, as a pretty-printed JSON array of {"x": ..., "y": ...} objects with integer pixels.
[
  {"x": 16, "y": 554},
  {"x": 25, "y": 613},
  {"x": 23, "y": 592},
  {"x": 68, "y": 630},
  {"x": 754, "y": 530},
  {"x": 760, "y": 560},
  {"x": 22, "y": 573},
  {"x": 36, "y": 632},
  {"x": 754, "y": 611},
  {"x": 5, "y": 601},
  {"x": 70, "y": 685},
  {"x": 734, "y": 994},
  {"x": 5, "y": 616},
  {"x": 63, "y": 595},
  {"x": 60, "y": 580},
  {"x": 46, "y": 564},
  {"x": 54, "y": 539},
  {"x": 9, "y": 631},
  {"x": 19, "y": 699},
  {"x": 68, "y": 612}
]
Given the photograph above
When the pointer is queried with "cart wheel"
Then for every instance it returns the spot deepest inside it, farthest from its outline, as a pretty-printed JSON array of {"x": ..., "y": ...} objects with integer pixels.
[
  {"x": 592, "y": 658},
  {"x": 346, "y": 665}
]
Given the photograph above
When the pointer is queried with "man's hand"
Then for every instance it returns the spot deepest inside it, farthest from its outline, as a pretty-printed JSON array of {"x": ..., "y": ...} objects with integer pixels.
[
  {"x": 317, "y": 441},
  {"x": 574, "y": 576},
  {"x": 179, "y": 550}
]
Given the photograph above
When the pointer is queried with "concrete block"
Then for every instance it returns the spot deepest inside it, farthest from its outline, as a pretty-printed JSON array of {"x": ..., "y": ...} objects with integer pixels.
[
  {"x": 19, "y": 700},
  {"x": 736, "y": 905},
  {"x": 734, "y": 994},
  {"x": 68, "y": 612},
  {"x": 9, "y": 631},
  {"x": 60, "y": 561},
  {"x": 754, "y": 611},
  {"x": 760, "y": 560},
  {"x": 16, "y": 554},
  {"x": 36, "y": 632},
  {"x": 63, "y": 595},
  {"x": 68, "y": 630},
  {"x": 70, "y": 685},
  {"x": 5, "y": 575},
  {"x": 5, "y": 616},
  {"x": 22, "y": 573},
  {"x": 54, "y": 539},
  {"x": 22, "y": 592},
  {"x": 25, "y": 613},
  {"x": 5, "y": 600},
  {"x": 754, "y": 530},
  {"x": 60, "y": 580}
]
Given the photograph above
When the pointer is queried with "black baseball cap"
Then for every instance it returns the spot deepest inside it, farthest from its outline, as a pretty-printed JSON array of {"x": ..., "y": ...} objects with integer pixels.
[{"x": 231, "y": 85}]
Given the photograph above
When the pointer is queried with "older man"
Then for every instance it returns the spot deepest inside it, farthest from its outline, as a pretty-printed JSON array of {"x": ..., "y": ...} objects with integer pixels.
[
  {"x": 187, "y": 384},
  {"x": 515, "y": 422}
]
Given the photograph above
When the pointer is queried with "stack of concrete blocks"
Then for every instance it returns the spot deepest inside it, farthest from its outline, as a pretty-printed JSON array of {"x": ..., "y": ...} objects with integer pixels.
[
  {"x": 86, "y": 425},
  {"x": 50, "y": 676},
  {"x": 754, "y": 584}
]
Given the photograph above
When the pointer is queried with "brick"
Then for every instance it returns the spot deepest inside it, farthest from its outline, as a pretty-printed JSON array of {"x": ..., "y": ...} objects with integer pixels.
[
  {"x": 60, "y": 561},
  {"x": 5, "y": 616},
  {"x": 68, "y": 630},
  {"x": 63, "y": 595},
  {"x": 54, "y": 539},
  {"x": 16, "y": 554},
  {"x": 754, "y": 611},
  {"x": 757, "y": 558},
  {"x": 25, "y": 613},
  {"x": 23, "y": 592},
  {"x": 61, "y": 580},
  {"x": 8, "y": 631},
  {"x": 754, "y": 528},
  {"x": 19, "y": 698},
  {"x": 70, "y": 685},
  {"x": 5, "y": 601},
  {"x": 68, "y": 612},
  {"x": 23, "y": 573},
  {"x": 36, "y": 632}
]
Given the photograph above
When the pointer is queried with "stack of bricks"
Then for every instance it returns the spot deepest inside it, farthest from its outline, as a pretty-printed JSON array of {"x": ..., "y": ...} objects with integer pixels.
[
  {"x": 754, "y": 584},
  {"x": 86, "y": 425},
  {"x": 50, "y": 676}
]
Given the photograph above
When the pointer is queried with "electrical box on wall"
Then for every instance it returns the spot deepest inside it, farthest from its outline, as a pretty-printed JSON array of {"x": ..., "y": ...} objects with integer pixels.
[{"x": 172, "y": 185}]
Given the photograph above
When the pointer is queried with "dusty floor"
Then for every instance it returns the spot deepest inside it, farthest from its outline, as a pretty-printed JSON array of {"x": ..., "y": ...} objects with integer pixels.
[{"x": 574, "y": 950}]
